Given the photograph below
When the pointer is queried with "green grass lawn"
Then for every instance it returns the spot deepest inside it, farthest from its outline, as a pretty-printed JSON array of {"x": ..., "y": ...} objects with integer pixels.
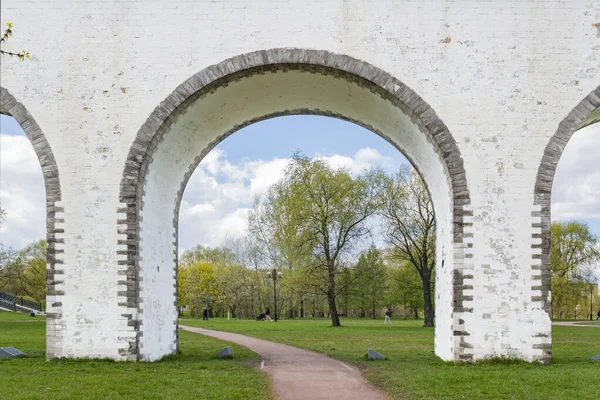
[
  {"x": 193, "y": 374},
  {"x": 414, "y": 372}
]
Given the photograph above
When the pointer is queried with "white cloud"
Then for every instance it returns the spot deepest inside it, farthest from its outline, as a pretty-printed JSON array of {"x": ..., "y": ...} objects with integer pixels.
[
  {"x": 364, "y": 158},
  {"x": 266, "y": 174},
  {"x": 576, "y": 190},
  {"x": 219, "y": 195},
  {"x": 22, "y": 192}
]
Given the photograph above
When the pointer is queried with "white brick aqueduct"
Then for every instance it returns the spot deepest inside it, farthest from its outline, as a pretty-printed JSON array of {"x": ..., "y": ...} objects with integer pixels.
[{"x": 121, "y": 100}]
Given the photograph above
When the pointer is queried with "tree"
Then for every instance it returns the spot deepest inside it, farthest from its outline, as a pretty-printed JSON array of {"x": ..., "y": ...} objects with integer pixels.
[
  {"x": 406, "y": 287},
  {"x": 370, "y": 283},
  {"x": 23, "y": 273},
  {"x": 196, "y": 282},
  {"x": 319, "y": 213},
  {"x": 573, "y": 246},
  {"x": 410, "y": 229},
  {"x": 232, "y": 282},
  {"x": 573, "y": 249},
  {"x": 274, "y": 242}
]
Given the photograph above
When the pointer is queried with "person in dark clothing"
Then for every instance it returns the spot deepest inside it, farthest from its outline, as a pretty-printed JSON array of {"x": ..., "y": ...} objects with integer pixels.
[
  {"x": 598, "y": 317},
  {"x": 268, "y": 315},
  {"x": 205, "y": 314},
  {"x": 387, "y": 316}
]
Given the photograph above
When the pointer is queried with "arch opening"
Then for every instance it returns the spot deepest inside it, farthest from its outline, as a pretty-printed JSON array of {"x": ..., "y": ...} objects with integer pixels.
[
  {"x": 584, "y": 116},
  {"x": 9, "y": 105},
  {"x": 220, "y": 100}
]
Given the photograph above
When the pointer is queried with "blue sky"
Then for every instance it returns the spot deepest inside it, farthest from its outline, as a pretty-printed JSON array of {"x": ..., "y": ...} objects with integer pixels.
[
  {"x": 219, "y": 194},
  {"x": 279, "y": 137}
]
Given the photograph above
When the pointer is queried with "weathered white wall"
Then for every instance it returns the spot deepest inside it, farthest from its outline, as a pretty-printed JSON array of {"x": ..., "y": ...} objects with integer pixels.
[{"x": 500, "y": 74}]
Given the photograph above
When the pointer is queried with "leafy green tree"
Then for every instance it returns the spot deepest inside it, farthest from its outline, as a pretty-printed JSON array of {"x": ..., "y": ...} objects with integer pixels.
[
  {"x": 322, "y": 213},
  {"x": 196, "y": 281},
  {"x": 573, "y": 246},
  {"x": 233, "y": 281},
  {"x": 275, "y": 244},
  {"x": 410, "y": 229},
  {"x": 370, "y": 280},
  {"x": 406, "y": 288},
  {"x": 24, "y": 272},
  {"x": 573, "y": 249}
]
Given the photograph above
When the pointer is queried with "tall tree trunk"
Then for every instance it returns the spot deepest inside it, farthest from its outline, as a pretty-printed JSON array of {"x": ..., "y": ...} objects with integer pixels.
[{"x": 335, "y": 318}]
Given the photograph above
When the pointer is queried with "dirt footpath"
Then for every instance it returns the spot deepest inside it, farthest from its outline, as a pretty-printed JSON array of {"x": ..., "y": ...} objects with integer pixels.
[{"x": 300, "y": 374}]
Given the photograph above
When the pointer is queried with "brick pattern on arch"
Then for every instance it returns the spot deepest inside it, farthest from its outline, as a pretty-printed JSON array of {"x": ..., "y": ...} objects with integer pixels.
[
  {"x": 54, "y": 219},
  {"x": 265, "y": 61},
  {"x": 541, "y": 268}
]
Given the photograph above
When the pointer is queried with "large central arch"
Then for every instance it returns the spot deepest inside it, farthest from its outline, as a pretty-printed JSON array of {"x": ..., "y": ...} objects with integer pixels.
[{"x": 223, "y": 98}]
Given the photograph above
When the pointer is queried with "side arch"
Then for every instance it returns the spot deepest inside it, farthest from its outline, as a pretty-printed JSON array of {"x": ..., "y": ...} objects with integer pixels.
[
  {"x": 543, "y": 188},
  {"x": 54, "y": 211},
  {"x": 214, "y": 78}
]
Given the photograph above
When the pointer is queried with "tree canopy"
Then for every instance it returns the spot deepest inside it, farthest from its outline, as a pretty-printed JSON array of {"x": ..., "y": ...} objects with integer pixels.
[{"x": 316, "y": 213}]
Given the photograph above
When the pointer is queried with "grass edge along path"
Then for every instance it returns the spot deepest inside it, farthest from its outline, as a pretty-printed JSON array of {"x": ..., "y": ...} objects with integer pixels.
[
  {"x": 414, "y": 372},
  {"x": 194, "y": 373}
]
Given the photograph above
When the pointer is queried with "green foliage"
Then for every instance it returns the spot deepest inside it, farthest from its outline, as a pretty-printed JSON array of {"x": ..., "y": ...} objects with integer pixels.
[
  {"x": 371, "y": 278},
  {"x": 573, "y": 246},
  {"x": 23, "y": 272},
  {"x": 406, "y": 288},
  {"x": 573, "y": 252},
  {"x": 410, "y": 229},
  {"x": 195, "y": 283},
  {"x": 311, "y": 220}
]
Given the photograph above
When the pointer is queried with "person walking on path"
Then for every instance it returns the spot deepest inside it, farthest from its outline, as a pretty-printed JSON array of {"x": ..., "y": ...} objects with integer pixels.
[
  {"x": 387, "y": 316},
  {"x": 268, "y": 315},
  {"x": 598, "y": 317}
]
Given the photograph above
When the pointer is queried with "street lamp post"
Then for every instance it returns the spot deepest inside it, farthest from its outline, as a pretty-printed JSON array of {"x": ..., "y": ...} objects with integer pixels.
[
  {"x": 207, "y": 301},
  {"x": 252, "y": 301},
  {"x": 274, "y": 275},
  {"x": 591, "y": 302}
]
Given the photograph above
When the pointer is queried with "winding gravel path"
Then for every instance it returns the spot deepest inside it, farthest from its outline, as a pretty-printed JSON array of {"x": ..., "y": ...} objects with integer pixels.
[{"x": 300, "y": 374}]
